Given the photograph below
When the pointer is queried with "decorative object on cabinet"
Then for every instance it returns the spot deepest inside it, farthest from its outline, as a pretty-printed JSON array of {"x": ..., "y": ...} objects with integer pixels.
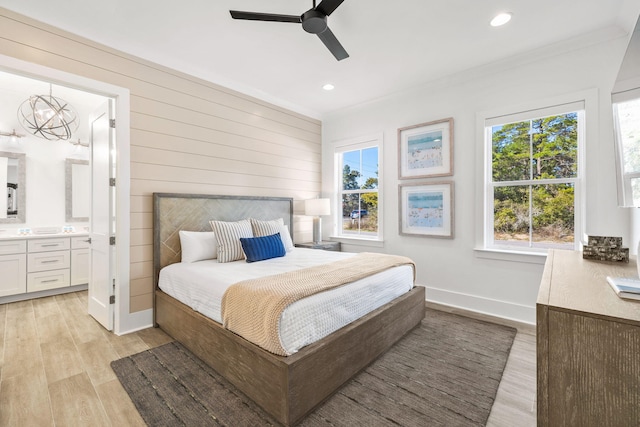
[
  {"x": 625, "y": 287},
  {"x": 48, "y": 117},
  {"x": 317, "y": 208},
  {"x": 426, "y": 209},
  {"x": 13, "y": 177},
  {"x": 604, "y": 248},
  {"x": 325, "y": 246},
  {"x": 426, "y": 150},
  {"x": 77, "y": 190}
]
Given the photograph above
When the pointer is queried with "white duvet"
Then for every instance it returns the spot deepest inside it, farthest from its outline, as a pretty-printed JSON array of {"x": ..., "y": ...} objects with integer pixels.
[{"x": 201, "y": 285}]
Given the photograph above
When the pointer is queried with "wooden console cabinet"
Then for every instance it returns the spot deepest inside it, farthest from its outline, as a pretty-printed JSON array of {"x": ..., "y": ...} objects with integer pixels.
[{"x": 588, "y": 345}]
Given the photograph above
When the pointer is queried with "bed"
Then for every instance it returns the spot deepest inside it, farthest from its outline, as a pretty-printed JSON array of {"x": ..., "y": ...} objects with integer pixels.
[{"x": 287, "y": 387}]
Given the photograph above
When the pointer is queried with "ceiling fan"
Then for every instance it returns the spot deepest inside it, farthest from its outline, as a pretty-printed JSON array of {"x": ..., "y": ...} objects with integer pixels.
[{"x": 313, "y": 21}]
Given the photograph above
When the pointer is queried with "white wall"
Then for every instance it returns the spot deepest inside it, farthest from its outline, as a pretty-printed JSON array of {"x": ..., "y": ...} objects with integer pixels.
[{"x": 450, "y": 269}]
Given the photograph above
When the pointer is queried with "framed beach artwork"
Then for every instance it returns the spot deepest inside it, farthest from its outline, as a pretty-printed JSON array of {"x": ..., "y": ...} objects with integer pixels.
[
  {"x": 426, "y": 209},
  {"x": 426, "y": 150}
]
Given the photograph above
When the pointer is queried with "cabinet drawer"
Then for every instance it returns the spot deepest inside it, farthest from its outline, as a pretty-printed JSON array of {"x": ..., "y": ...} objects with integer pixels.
[
  {"x": 80, "y": 242},
  {"x": 13, "y": 247},
  {"x": 43, "y": 261},
  {"x": 44, "y": 245},
  {"x": 48, "y": 280}
]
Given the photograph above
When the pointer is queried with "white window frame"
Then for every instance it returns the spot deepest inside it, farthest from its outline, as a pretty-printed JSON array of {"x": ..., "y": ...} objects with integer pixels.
[
  {"x": 624, "y": 178},
  {"x": 485, "y": 247},
  {"x": 352, "y": 144}
]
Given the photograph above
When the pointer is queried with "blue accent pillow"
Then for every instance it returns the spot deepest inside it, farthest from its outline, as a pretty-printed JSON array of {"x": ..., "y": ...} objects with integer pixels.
[{"x": 261, "y": 248}]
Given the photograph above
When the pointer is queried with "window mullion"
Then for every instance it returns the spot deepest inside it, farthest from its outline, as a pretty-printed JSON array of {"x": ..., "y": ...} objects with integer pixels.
[
  {"x": 530, "y": 216},
  {"x": 531, "y": 149}
]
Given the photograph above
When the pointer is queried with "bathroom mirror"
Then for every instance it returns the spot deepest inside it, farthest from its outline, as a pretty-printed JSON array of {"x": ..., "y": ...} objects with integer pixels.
[
  {"x": 625, "y": 99},
  {"x": 13, "y": 177},
  {"x": 77, "y": 190}
]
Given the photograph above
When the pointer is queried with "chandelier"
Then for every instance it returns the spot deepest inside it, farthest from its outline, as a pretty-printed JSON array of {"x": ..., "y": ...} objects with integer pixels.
[{"x": 48, "y": 117}]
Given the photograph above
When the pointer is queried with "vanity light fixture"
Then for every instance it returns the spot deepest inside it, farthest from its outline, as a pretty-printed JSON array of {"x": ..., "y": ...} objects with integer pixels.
[
  {"x": 48, "y": 117},
  {"x": 500, "y": 19},
  {"x": 12, "y": 135},
  {"x": 79, "y": 143}
]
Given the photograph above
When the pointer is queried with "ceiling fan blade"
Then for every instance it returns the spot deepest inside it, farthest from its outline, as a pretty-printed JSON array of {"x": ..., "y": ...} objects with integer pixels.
[
  {"x": 332, "y": 43},
  {"x": 328, "y": 6},
  {"x": 255, "y": 16}
]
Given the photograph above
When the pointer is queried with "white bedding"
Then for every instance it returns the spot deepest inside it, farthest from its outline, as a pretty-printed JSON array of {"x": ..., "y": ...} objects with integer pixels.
[{"x": 201, "y": 285}]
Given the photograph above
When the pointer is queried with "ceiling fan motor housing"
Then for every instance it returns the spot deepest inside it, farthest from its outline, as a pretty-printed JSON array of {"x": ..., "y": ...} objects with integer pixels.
[{"x": 314, "y": 22}]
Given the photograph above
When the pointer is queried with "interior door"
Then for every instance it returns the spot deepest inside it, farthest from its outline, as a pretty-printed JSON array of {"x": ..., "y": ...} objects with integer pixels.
[{"x": 102, "y": 218}]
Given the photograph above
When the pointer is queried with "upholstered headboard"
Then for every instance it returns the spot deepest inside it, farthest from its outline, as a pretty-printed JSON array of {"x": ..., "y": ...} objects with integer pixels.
[{"x": 175, "y": 212}]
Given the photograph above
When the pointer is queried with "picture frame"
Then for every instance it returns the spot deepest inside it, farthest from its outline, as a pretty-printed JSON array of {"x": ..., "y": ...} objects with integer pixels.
[
  {"x": 426, "y": 150},
  {"x": 426, "y": 209}
]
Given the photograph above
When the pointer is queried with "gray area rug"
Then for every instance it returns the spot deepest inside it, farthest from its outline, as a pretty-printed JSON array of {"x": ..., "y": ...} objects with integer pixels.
[{"x": 445, "y": 372}]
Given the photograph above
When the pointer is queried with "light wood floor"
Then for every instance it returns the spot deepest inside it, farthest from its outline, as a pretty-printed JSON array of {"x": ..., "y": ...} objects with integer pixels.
[
  {"x": 515, "y": 403},
  {"x": 54, "y": 368},
  {"x": 54, "y": 365}
]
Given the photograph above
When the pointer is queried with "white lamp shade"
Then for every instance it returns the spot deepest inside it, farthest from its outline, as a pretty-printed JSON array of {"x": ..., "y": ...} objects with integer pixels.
[{"x": 317, "y": 207}]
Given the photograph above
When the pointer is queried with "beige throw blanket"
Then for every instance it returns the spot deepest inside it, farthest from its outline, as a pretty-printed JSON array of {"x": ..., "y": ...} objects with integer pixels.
[{"x": 252, "y": 308}]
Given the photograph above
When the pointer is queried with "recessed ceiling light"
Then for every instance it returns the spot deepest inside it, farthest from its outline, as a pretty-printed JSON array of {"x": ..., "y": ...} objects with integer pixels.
[
  {"x": 328, "y": 86},
  {"x": 500, "y": 19}
]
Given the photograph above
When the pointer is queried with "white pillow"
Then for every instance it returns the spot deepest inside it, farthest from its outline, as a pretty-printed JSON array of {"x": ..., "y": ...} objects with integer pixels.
[
  {"x": 266, "y": 228},
  {"x": 198, "y": 245},
  {"x": 286, "y": 238},
  {"x": 228, "y": 235}
]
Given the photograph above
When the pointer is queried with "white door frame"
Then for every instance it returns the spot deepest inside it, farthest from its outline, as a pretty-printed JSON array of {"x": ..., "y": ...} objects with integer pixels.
[{"x": 124, "y": 321}]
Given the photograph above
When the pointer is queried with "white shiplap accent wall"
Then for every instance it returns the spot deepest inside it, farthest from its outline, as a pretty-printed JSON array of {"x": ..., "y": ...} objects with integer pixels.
[{"x": 187, "y": 135}]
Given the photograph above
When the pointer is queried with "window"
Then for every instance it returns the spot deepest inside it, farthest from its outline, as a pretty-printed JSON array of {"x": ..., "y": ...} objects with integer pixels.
[
  {"x": 533, "y": 179},
  {"x": 357, "y": 175},
  {"x": 626, "y": 110}
]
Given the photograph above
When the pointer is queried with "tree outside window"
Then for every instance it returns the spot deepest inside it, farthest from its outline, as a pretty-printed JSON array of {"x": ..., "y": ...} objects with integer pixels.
[
  {"x": 534, "y": 172},
  {"x": 359, "y": 192}
]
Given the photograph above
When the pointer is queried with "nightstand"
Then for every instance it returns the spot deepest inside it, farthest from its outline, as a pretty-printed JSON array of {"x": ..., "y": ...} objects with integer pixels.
[{"x": 326, "y": 246}]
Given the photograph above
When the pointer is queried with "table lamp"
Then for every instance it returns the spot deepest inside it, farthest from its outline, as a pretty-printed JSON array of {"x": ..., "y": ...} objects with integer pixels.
[{"x": 317, "y": 208}]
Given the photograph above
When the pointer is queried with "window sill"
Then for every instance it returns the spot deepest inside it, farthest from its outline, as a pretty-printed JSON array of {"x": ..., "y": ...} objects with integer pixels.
[
  {"x": 358, "y": 241},
  {"x": 513, "y": 256}
]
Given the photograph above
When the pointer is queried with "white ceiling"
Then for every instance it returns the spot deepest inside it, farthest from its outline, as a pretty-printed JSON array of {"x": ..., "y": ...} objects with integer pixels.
[{"x": 393, "y": 46}]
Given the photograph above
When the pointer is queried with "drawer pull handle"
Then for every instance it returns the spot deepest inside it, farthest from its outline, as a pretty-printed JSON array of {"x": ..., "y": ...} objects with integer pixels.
[
  {"x": 88, "y": 240},
  {"x": 49, "y": 281},
  {"x": 50, "y": 261},
  {"x": 51, "y": 245}
]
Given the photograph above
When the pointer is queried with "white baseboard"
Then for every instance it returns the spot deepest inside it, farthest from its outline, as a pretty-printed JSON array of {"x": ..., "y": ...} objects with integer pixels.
[
  {"x": 134, "y": 322},
  {"x": 41, "y": 294},
  {"x": 492, "y": 307}
]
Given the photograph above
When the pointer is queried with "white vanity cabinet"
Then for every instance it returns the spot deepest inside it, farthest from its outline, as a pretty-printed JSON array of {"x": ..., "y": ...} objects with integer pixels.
[
  {"x": 48, "y": 263},
  {"x": 13, "y": 267},
  {"x": 41, "y": 263}
]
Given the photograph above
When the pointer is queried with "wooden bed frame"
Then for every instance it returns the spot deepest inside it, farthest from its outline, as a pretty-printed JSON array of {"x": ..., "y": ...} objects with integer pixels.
[{"x": 288, "y": 388}]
